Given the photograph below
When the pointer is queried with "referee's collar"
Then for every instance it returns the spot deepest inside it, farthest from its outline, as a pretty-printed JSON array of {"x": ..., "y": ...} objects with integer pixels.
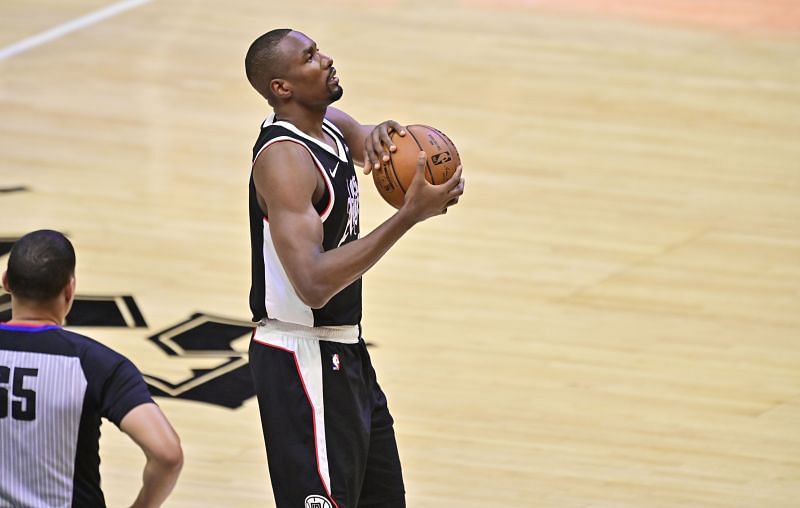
[{"x": 26, "y": 326}]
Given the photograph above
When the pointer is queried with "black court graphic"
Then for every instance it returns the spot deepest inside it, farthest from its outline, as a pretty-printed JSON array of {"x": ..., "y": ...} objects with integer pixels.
[
  {"x": 9, "y": 190},
  {"x": 118, "y": 311},
  {"x": 228, "y": 384},
  {"x": 114, "y": 311},
  {"x": 5, "y": 306},
  {"x": 5, "y": 245}
]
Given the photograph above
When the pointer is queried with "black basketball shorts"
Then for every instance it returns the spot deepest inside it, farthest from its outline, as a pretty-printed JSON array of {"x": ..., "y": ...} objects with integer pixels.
[{"x": 327, "y": 429}]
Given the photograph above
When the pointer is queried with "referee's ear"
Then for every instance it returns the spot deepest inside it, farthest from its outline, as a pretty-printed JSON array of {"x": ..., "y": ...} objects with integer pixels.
[
  {"x": 5, "y": 282},
  {"x": 69, "y": 295}
]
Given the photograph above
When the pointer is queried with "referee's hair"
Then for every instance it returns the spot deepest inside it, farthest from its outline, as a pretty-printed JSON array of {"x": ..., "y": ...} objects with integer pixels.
[{"x": 40, "y": 265}]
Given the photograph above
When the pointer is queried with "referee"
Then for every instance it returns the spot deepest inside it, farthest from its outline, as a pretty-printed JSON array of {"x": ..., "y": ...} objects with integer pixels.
[{"x": 55, "y": 385}]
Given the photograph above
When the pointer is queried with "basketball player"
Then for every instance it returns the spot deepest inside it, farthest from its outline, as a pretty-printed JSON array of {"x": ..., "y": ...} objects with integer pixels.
[
  {"x": 327, "y": 428},
  {"x": 54, "y": 387}
]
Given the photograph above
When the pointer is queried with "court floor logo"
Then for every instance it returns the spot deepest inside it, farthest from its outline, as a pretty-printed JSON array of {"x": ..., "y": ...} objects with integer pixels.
[
  {"x": 218, "y": 344},
  {"x": 314, "y": 501}
]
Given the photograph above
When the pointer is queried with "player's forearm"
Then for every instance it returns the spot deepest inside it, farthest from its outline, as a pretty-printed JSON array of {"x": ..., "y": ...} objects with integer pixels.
[
  {"x": 338, "y": 268},
  {"x": 159, "y": 478}
]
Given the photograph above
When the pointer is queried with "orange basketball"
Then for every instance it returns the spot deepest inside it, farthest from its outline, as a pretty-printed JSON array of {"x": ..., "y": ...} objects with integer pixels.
[{"x": 394, "y": 177}]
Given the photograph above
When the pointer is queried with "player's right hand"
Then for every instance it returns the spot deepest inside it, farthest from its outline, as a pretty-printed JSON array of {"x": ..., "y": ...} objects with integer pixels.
[{"x": 424, "y": 199}]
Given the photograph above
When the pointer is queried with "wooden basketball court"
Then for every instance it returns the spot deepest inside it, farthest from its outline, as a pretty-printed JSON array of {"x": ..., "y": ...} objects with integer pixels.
[{"x": 609, "y": 318}]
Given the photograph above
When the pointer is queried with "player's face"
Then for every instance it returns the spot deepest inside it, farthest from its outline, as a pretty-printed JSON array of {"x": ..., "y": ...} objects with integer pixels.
[{"x": 310, "y": 71}]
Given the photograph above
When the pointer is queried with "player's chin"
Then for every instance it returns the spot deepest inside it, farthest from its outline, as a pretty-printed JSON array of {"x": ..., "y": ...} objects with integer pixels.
[{"x": 336, "y": 93}]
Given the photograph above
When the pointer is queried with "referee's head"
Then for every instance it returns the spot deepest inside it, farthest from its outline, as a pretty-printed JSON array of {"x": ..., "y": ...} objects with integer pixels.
[{"x": 41, "y": 269}]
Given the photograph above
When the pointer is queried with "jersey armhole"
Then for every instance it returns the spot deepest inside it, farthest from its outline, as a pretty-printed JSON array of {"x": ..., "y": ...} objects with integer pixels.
[{"x": 280, "y": 139}]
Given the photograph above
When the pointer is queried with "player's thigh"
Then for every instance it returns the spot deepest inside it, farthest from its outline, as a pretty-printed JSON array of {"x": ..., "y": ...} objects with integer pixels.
[
  {"x": 289, "y": 426},
  {"x": 383, "y": 480}
]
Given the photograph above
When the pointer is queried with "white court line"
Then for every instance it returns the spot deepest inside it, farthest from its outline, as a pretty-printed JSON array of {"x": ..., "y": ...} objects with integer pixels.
[{"x": 70, "y": 26}]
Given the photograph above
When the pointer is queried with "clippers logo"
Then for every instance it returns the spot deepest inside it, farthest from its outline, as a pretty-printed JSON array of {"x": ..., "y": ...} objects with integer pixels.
[
  {"x": 335, "y": 361},
  {"x": 317, "y": 502},
  {"x": 441, "y": 158}
]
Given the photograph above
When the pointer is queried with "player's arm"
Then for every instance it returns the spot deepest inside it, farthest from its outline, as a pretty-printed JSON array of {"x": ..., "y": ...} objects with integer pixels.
[
  {"x": 286, "y": 180},
  {"x": 149, "y": 428},
  {"x": 369, "y": 143}
]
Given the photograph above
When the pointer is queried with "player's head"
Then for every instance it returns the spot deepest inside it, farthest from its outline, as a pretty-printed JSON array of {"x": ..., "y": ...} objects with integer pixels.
[
  {"x": 285, "y": 65},
  {"x": 41, "y": 269}
]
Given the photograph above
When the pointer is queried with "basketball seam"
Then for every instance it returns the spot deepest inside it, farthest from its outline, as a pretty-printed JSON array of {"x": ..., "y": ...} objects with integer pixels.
[
  {"x": 396, "y": 176},
  {"x": 427, "y": 167}
]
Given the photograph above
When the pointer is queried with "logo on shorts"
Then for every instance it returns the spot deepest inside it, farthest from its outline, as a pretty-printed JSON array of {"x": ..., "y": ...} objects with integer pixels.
[
  {"x": 314, "y": 501},
  {"x": 335, "y": 360}
]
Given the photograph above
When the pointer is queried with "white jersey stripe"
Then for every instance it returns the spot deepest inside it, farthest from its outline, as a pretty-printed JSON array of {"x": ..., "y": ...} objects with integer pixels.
[
  {"x": 280, "y": 298},
  {"x": 59, "y": 386},
  {"x": 342, "y": 153},
  {"x": 332, "y": 126}
]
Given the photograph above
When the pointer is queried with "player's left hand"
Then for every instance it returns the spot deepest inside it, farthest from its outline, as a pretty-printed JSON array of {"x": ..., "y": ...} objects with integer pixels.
[{"x": 378, "y": 144}]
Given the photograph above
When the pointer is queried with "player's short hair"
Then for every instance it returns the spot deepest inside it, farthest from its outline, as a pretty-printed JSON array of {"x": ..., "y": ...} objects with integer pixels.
[
  {"x": 263, "y": 63},
  {"x": 40, "y": 265}
]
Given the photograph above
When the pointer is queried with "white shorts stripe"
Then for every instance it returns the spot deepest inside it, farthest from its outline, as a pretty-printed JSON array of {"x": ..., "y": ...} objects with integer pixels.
[{"x": 307, "y": 358}]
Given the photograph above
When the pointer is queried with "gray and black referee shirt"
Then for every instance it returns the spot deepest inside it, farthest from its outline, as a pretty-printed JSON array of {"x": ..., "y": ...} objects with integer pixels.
[{"x": 55, "y": 386}]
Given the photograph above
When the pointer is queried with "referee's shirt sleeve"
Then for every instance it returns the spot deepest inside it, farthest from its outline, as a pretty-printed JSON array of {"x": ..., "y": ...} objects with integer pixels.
[
  {"x": 124, "y": 391},
  {"x": 118, "y": 384}
]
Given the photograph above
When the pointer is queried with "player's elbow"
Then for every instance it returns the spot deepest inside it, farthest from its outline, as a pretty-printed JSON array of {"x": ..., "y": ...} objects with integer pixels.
[{"x": 313, "y": 294}]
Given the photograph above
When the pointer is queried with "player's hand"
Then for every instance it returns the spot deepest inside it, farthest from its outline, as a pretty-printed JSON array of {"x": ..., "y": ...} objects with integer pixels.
[
  {"x": 424, "y": 200},
  {"x": 378, "y": 144}
]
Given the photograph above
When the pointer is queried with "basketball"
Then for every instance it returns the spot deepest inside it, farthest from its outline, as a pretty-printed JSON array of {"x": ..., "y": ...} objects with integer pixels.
[{"x": 394, "y": 176}]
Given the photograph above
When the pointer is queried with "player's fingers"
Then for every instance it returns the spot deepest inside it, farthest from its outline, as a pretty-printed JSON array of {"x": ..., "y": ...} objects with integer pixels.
[
  {"x": 456, "y": 179},
  {"x": 395, "y": 126},
  {"x": 457, "y": 190},
  {"x": 399, "y": 129},
  {"x": 421, "y": 164},
  {"x": 367, "y": 165},
  {"x": 375, "y": 149},
  {"x": 370, "y": 157},
  {"x": 386, "y": 141},
  {"x": 371, "y": 161}
]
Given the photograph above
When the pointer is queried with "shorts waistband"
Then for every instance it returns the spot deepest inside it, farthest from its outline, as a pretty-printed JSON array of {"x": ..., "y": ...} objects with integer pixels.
[{"x": 348, "y": 334}]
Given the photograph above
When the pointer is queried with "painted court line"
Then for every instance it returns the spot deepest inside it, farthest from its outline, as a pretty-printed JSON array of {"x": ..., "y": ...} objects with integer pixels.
[{"x": 70, "y": 26}]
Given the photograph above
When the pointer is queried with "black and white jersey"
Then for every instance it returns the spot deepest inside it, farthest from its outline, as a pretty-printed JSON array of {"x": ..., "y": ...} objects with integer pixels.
[
  {"x": 55, "y": 386},
  {"x": 271, "y": 293}
]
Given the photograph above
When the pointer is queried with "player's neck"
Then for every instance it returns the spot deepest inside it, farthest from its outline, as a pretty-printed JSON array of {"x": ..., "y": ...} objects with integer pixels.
[{"x": 307, "y": 120}]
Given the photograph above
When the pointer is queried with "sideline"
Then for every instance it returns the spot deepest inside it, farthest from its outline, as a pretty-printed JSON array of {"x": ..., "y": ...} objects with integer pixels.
[{"x": 70, "y": 26}]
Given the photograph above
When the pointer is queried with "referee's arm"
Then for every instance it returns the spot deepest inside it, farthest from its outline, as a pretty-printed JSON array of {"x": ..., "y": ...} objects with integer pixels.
[{"x": 149, "y": 428}]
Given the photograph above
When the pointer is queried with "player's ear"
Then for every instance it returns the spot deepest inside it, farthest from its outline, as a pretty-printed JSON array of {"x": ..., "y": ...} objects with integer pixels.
[{"x": 280, "y": 88}]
